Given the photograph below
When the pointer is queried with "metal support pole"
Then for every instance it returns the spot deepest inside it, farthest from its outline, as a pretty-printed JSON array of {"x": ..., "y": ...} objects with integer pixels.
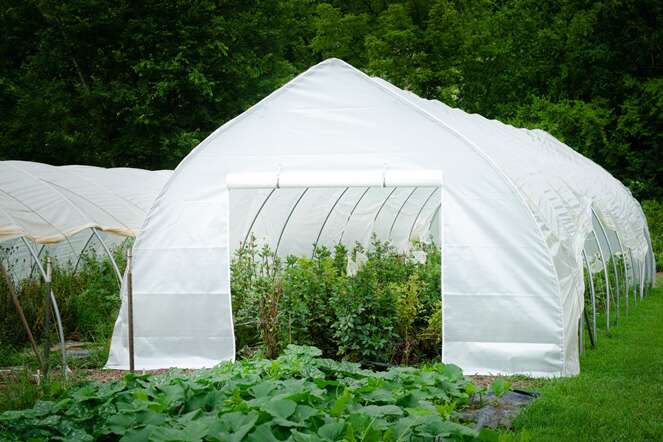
[
  {"x": 592, "y": 293},
  {"x": 626, "y": 278},
  {"x": 647, "y": 278},
  {"x": 130, "y": 308},
  {"x": 34, "y": 265},
  {"x": 56, "y": 309},
  {"x": 592, "y": 335},
  {"x": 633, "y": 271},
  {"x": 581, "y": 330},
  {"x": 47, "y": 317},
  {"x": 614, "y": 265},
  {"x": 110, "y": 255},
  {"x": 607, "y": 281}
]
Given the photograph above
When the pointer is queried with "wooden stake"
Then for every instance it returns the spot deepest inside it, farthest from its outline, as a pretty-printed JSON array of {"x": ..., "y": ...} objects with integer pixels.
[
  {"x": 21, "y": 315},
  {"x": 130, "y": 310},
  {"x": 47, "y": 315}
]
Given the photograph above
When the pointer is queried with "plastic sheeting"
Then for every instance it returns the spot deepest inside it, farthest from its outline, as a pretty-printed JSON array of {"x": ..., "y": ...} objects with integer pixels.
[
  {"x": 516, "y": 209},
  {"x": 49, "y": 204},
  {"x": 55, "y": 208}
]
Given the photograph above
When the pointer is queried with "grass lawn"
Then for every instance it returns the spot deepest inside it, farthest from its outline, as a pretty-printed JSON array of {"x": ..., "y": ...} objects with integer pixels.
[{"x": 619, "y": 393}]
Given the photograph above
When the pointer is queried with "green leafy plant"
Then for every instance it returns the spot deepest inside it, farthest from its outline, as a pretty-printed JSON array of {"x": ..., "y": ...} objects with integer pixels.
[
  {"x": 386, "y": 309},
  {"x": 299, "y": 395},
  {"x": 500, "y": 387},
  {"x": 408, "y": 307},
  {"x": 88, "y": 300}
]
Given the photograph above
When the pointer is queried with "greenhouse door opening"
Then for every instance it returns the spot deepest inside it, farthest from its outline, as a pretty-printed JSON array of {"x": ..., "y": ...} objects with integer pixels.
[{"x": 348, "y": 262}]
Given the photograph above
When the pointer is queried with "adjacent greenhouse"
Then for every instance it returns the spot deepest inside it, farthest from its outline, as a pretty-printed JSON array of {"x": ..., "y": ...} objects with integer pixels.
[
  {"x": 67, "y": 211},
  {"x": 335, "y": 156}
]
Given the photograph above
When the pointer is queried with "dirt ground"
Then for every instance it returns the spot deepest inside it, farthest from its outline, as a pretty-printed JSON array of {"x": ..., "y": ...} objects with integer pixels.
[
  {"x": 479, "y": 381},
  {"x": 110, "y": 375}
]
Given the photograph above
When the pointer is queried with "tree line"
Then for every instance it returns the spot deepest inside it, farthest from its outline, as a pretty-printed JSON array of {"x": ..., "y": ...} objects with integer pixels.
[{"x": 140, "y": 83}]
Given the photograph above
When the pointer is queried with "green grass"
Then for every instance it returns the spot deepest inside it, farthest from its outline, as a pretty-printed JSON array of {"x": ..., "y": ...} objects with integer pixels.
[{"x": 619, "y": 393}]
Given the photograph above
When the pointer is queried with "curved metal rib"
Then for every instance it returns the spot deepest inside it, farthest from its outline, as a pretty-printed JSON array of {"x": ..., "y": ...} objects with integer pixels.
[
  {"x": 347, "y": 221},
  {"x": 375, "y": 218},
  {"x": 400, "y": 209},
  {"x": 592, "y": 292},
  {"x": 614, "y": 264},
  {"x": 434, "y": 215},
  {"x": 287, "y": 220},
  {"x": 109, "y": 254},
  {"x": 633, "y": 266},
  {"x": 56, "y": 309},
  {"x": 317, "y": 239},
  {"x": 607, "y": 281},
  {"x": 421, "y": 209},
  {"x": 80, "y": 255},
  {"x": 248, "y": 232},
  {"x": 626, "y": 283}
]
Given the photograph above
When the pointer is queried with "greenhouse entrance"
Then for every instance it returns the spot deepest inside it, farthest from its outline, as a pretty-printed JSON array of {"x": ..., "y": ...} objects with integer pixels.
[{"x": 348, "y": 261}]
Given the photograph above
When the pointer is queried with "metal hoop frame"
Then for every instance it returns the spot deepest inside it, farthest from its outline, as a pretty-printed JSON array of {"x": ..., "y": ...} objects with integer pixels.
[
  {"x": 614, "y": 264},
  {"x": 54, "y": 302},
  {"x": 607, "y": 281},
  {"x": 592, "y": 292}
]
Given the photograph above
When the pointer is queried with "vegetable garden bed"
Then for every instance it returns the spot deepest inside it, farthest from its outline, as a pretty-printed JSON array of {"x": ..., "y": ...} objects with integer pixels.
[{"x": 298, "y": 396}]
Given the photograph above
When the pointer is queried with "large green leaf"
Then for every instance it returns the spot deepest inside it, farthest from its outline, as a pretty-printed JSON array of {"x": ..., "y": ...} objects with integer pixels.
[
  {"x": 283, "y": 408},
  {"x": 332, "y": 431}
]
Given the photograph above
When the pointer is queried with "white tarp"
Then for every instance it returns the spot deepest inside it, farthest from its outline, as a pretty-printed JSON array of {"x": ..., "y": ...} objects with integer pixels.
[
  {"x": 515, "y": 213},
  {"x": 54, "y": 208},
  {"x": 49, "y": 204}
]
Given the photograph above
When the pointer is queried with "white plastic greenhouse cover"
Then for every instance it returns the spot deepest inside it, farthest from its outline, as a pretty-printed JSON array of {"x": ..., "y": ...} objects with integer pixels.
[
  {"x": 49, "y": 204},
  {"x": 516, "y": 205}
]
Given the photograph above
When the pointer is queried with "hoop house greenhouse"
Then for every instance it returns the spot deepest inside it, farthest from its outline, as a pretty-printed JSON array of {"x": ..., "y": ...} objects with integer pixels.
[
  {"x": 337, "y": 156},
  {"x": 66, "y": 211}
]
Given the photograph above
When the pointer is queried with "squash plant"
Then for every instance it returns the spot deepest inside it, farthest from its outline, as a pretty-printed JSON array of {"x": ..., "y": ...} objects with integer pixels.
[{"x": 297, "y": 397}]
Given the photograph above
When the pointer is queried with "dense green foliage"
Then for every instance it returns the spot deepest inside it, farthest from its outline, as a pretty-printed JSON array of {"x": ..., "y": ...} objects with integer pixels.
[
  {"x": 619, "y": 392},
  {"x": 298, "y": 397},
  {"x": 141, "y": 83},
  {"x": 20, "y": 389},
  {"x": 382, "y": 306},
  {"x": 88, "y": 300}
]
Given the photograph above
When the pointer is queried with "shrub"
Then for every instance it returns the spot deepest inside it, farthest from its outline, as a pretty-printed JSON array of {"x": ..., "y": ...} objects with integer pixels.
[
  {"x": 310, "y": 286},
  {"x": 88, "y": 301},
  {"x": 373, "y": 304}
]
